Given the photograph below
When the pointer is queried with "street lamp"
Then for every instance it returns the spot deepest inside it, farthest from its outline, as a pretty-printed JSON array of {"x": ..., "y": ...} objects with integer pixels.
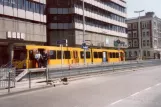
[
  {"x": 140, "y": 40},
  {"x": 84, "y": 34},
  {"x": 118, "y": 43}
]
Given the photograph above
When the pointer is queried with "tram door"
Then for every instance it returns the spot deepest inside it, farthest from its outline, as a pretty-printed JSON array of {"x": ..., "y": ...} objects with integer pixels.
[
  {"x": 104, "y": 56},
  {"x": 75, "y": 57}
]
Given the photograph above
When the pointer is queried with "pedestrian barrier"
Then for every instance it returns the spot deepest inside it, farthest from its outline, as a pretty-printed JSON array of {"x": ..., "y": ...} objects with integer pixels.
[{"x": 7, "y": 78}]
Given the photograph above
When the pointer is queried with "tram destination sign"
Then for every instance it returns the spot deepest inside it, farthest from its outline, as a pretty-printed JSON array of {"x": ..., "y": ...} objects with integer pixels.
[{"x": 59, "y": 42}]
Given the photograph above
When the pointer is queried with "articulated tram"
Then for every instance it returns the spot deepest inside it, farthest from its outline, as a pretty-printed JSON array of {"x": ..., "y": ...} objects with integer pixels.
[{"x": 23, "y": 57}]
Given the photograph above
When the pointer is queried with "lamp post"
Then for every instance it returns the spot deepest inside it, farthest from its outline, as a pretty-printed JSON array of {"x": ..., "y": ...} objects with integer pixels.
[
  {"x": 140, "y": 39},
  {"x": 118, "y": 43},
  {"x": 84, "y": 34}
]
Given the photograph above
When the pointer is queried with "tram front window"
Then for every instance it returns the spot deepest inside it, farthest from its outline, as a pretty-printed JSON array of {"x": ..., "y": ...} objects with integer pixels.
[{"x": 19, "y": 55}]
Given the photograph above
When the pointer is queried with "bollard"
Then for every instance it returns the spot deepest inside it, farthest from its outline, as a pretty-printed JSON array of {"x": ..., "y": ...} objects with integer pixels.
[
  {"x": 113, "y": 67},
  {"x": 9, "y": 82},
  {"x": 29, "y": 79},
  {"x": 47, "y": 76}
]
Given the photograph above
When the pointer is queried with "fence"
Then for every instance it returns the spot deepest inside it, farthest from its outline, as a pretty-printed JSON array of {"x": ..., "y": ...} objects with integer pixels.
[{"x": 7, "y": 78}]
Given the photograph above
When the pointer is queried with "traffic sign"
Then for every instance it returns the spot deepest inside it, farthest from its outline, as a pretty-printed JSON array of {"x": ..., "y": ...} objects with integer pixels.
[{"x": 61, "y": 42}]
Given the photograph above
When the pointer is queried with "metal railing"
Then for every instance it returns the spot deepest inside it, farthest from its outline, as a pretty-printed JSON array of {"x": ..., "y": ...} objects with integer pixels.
[{"x": 7, "y": 78}]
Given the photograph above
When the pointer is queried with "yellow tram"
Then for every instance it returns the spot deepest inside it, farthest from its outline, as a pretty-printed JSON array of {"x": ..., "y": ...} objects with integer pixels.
[{"x": 24, "y": 55}]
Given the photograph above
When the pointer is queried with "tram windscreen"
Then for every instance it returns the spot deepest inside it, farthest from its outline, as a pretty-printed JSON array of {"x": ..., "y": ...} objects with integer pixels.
[{"x": 20, "y": 55}]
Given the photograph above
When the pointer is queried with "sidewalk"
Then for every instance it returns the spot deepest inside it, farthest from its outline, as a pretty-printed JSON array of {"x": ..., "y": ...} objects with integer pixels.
[{"x": 24, "y": 87}]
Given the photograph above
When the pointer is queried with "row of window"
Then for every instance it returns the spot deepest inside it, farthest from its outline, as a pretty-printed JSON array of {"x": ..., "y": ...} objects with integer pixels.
[
  {"x": 25, "y": 5},
  {"x": 135, "y": 43},
  {"x": 136, "y": 54},
  {"x": 146, "y": 42},
  {"x": 117, "y": 7},
  {"x": 66, "y": 54},
  {"x": 99, "y": 24},
  {"x": 144, "y": 33},
  {"x": 114, "y": 55},
  {"x": 144, "y": 25},
  {"x": 103, "y": 13}
]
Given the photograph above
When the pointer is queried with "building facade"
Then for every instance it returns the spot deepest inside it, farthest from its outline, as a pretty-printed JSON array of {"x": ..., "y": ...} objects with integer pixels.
[
  {"x": 150, "y": 32},
  {"x": 21, "y": 22},
  {"x": 104, "y": 22}
]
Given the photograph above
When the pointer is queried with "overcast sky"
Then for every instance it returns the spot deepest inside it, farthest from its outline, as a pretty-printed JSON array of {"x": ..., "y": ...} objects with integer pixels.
[{"x": 147, "y": 5}]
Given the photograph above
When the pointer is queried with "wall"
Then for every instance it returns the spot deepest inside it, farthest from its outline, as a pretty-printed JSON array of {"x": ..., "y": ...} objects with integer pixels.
[{"x": 33, "y": 31}]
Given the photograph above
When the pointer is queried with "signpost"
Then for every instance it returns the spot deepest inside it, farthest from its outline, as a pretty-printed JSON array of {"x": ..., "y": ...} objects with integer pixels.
[{"x": 61, "y": 42}]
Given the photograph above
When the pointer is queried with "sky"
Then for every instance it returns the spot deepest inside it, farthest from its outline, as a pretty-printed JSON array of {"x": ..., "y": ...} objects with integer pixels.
[{"x": 147, "y": 5}]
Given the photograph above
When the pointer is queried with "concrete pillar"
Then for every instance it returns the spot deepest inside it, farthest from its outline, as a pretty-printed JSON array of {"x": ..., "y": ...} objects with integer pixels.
[{"x": 10, "y": 52}]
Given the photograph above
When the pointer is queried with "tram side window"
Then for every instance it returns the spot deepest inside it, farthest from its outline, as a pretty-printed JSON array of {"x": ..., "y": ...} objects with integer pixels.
[
  {"x": 31, "y": 55},
  {"x": 88, "y": 55},
  {"x": 20, "y": 55},
  {"x": 111, "y": 55},
  {"x": 117, "y": 55},
  {"x": 58, "y": 54},
  {"x": 114, "y": 55},
  {"x": 82, "y": 54},
  {"x": 52, "y": 54},
  {"x": 95, "y": 55},
  {"x": 100, "y": 54},
  {"x": 67, "y": 54}
]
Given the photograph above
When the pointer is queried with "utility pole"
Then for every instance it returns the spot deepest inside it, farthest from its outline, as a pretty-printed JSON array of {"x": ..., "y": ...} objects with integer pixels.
[
  {"x": 139, "y": 33},
  {"x": 84, "y": 33}
]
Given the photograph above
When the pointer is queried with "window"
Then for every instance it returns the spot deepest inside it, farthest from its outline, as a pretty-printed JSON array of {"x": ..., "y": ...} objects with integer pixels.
[
  {"x": 21, "y": 4},
  {"x": 31, "y": 55},
  {"x": 144, "y": 53},
  {"x": 129, "y": 35},
  {"x": 100, "y": 54},
  {"x": 114, "y": 55},
  {"x": 52, "y": 54},
  {"x": 148, "y": 42},
  {"x": 134, "y": 26},
  {"x": 129, "y": 26},
  {"x": 144, "y": 44},
  {"x": 20, "y": 55},
  {"x": 143, "y": 34},
  {"x": 59, "y": 54},
  {"x": 111, "y": 55},
  {"x": 67, "y": 54},
  {"x": 135, "y": 43},
  {"x": 82, "y": 54},
  {"x": 130, "y": 44},
  {"x": 117, "y": 55},
  {"x": 95, "y": 55},
  {"x": 88, "y": 55},
  {"x": 134, "y": 35},
  {"x": 125, "y": 54},
  {"x": 130, "y": 54},
  {"x": 1, "y": 1},
  {"x": 147, "y": 33},
  {"x": 148, "y": 53},
  {"x": 136, "y": 53}
]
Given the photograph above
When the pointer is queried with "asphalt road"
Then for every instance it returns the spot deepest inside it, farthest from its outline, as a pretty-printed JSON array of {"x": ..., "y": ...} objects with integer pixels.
[{"x": 141, "y": 88}]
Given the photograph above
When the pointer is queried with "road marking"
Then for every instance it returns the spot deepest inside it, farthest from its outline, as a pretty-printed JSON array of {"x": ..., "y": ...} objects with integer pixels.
[
  {"x": 158, "y": 84},
  {"x": 148, "y": 88},
  {"x": 116, "y": 102},
  {"x": 135, "y": 94}
]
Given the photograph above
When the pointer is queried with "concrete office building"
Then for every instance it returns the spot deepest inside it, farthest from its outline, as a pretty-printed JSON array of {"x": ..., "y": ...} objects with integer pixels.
[
  {"x": 104, "y": 22},
  {"x": 150, "y": 28},
  {"x": 21, "y": 22}
]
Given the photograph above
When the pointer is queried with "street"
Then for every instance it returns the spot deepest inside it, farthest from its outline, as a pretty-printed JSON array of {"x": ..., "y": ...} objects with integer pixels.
[{"x": 140, "y": 88}]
